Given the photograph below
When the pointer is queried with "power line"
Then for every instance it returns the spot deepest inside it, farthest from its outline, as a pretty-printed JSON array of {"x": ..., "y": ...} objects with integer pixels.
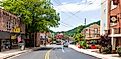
[
  {"x": 65, "y": 8},
  {"x": 70, "y": 17},
  {"x": 59, "y": 3},
  {"x": 69, "y": 12},
  {"x": 84, "y": 7},
  {"x": 74, "y": 14},
  {"x": 67, "y": 24}
]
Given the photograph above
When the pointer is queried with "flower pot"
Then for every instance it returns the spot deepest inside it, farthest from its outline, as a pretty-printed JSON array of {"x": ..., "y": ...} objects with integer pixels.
[
  {"x": 119, "y": 50},
  {"x": 119, "y": 54}
]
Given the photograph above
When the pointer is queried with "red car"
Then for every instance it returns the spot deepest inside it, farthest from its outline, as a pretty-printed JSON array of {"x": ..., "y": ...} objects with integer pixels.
[{"x": 93, "y": 47}]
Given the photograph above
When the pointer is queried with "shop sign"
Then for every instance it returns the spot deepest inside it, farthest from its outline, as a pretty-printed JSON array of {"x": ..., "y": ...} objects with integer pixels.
[
  {"x": 13, "y": 37},
  {"x": 113, "y": 21},
  {"x": 17, "y": 30}
]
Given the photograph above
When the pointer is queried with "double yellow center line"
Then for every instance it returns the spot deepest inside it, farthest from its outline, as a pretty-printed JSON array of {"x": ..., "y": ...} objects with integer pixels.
[{"x": 47, "y": 55}]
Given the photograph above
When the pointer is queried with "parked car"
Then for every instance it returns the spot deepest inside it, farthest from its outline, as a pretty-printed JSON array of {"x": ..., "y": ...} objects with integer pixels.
[
  {"x": 54, "y": 42},
  {"x": 66, "y": 44},
  {"x": 71, "y": 42},
  {"x": 58, "y": 42}
]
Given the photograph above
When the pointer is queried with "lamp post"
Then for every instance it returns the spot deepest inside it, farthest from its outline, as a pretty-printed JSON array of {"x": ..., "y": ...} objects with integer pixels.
[{"x": 85, "y": 27}]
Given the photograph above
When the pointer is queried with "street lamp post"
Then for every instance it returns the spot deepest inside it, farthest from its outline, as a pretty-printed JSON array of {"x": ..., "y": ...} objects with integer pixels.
[{"x": 85, "y": 26}]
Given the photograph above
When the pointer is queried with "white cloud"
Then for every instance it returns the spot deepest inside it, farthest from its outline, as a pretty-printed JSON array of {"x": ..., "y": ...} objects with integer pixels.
[{"x": 74, "y": 7}]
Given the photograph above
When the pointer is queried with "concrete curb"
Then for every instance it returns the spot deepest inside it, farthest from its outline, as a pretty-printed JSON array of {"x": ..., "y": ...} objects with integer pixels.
[
  {"x": 100, "y": 56},
  {"x": 14, "y": 54}
]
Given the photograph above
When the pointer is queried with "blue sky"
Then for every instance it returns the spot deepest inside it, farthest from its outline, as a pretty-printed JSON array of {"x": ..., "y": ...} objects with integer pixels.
[{"x": 73, "y": 12}]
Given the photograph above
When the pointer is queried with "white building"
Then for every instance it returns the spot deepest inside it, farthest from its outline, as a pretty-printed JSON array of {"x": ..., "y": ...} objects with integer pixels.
[{"x": 104, "y": 17}]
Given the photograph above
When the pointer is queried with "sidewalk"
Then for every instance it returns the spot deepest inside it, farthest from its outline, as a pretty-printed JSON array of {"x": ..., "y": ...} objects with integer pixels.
[
  {"x": 14, "y": 52},
  {"x": 10, "y": 53},
  {"x": 92, "y": 53}
]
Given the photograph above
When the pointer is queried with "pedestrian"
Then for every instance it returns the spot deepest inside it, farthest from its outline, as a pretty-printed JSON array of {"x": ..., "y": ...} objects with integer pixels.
[
  {"x": 42, "y": 38},
  {"x": 62, "y": 45},
  {"x": 21, "y": 42},
  {"x": 46, "y": 38}
]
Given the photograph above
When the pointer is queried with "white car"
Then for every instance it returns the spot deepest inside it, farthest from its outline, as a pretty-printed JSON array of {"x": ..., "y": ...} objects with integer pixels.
[{"x": 66, "y": 44}]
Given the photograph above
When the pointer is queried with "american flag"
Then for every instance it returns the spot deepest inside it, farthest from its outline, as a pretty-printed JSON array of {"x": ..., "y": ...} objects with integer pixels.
[{"x": 19, "y": 38}]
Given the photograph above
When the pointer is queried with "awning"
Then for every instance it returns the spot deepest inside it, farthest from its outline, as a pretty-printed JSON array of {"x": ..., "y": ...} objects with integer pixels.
[
  {"x": 96, "y": 38},
  {"x": 4, "y": 35}
]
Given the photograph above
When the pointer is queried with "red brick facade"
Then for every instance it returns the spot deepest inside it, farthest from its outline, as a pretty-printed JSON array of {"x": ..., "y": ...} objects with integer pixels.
[
  {"x": 114, "y": 10},
  {"x": 9, "y": 21},
  {"x": 114, "y": 22},
  {"x": 10, "y": 27}
]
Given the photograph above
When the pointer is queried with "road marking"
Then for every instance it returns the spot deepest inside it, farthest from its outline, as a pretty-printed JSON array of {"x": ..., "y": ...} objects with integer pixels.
[{"x": 47, "y": 55}]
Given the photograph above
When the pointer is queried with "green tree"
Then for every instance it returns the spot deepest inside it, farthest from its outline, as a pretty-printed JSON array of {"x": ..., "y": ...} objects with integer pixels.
[
  {"x": 38, "y": 15},
  {"x": 78, "y": 37}
]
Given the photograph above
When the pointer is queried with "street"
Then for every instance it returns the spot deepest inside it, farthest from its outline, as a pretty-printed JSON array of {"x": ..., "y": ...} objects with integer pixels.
[
  {"x": 60, "y": 29},
  {"x": 54, "y": 53}
]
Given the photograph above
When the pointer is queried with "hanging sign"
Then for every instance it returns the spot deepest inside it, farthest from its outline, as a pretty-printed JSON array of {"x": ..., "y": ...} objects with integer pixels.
[{"x": 113, "y": 20}]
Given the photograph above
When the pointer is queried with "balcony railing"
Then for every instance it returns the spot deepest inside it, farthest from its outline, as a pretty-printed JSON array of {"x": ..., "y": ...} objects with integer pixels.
[{"x": 116, "y": 31}]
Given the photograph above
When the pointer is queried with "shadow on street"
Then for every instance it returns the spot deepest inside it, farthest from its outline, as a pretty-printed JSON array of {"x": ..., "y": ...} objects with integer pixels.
[{"x": 43, "y": 48}]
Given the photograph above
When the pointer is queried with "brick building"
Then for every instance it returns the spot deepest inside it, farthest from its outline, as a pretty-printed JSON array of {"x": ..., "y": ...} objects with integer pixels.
[
  {"x": 10, "y": 27},
  {"x": 92, "y": 33},
  {"x": 114, "y": 22}
]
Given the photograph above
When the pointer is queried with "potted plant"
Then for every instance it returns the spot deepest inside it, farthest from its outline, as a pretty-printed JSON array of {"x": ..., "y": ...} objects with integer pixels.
[{"x": 119, "y": 50}]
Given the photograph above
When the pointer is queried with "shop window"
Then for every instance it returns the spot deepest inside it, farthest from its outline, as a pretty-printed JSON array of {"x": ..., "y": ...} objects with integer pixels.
[
  {"x": 89, "y": 33},
  {"x": 113, "y": 5},
  {"x": 95, "y": 30},
  {"x": 0, "y": 13},
  {"x": 5, "y": 44},
  {"x": 115, "y": 2},
  {"x": 9, "y": 25}
]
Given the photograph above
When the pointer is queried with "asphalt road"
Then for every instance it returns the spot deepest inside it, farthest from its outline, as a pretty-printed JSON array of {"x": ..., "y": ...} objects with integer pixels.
[
  {"x": 68, "y": 54},
  {"x": 38, "y": 54},
  {"x": 55, "y": 53}
]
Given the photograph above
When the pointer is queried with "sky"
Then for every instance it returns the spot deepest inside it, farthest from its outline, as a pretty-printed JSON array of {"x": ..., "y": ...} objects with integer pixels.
[{"x": 73, "y": 13}]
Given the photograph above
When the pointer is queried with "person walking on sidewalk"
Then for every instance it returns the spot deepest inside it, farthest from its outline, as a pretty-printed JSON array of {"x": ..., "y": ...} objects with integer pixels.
[
  {"x": 21, "y": 42},
  {"x": 43, "y": 38},
  {"x": 46, "y": 38}
]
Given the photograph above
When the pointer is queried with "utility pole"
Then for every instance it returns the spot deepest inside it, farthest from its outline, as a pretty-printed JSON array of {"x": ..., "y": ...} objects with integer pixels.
[
  {"x": 85, "y": 21},
  {"x": 85, "y": 27}
]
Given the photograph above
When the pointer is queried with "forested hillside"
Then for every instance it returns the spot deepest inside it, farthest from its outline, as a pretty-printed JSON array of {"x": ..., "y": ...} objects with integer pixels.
[{"x": 79, "y": 29}]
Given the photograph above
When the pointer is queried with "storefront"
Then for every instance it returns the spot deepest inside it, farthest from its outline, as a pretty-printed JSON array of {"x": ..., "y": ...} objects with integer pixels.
[
  {"x": 5, "y": 42},
  {"x": 14, "y": 41},
  {"x": 11, "y": 27},
  {"x": 93, "y": 41}
]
